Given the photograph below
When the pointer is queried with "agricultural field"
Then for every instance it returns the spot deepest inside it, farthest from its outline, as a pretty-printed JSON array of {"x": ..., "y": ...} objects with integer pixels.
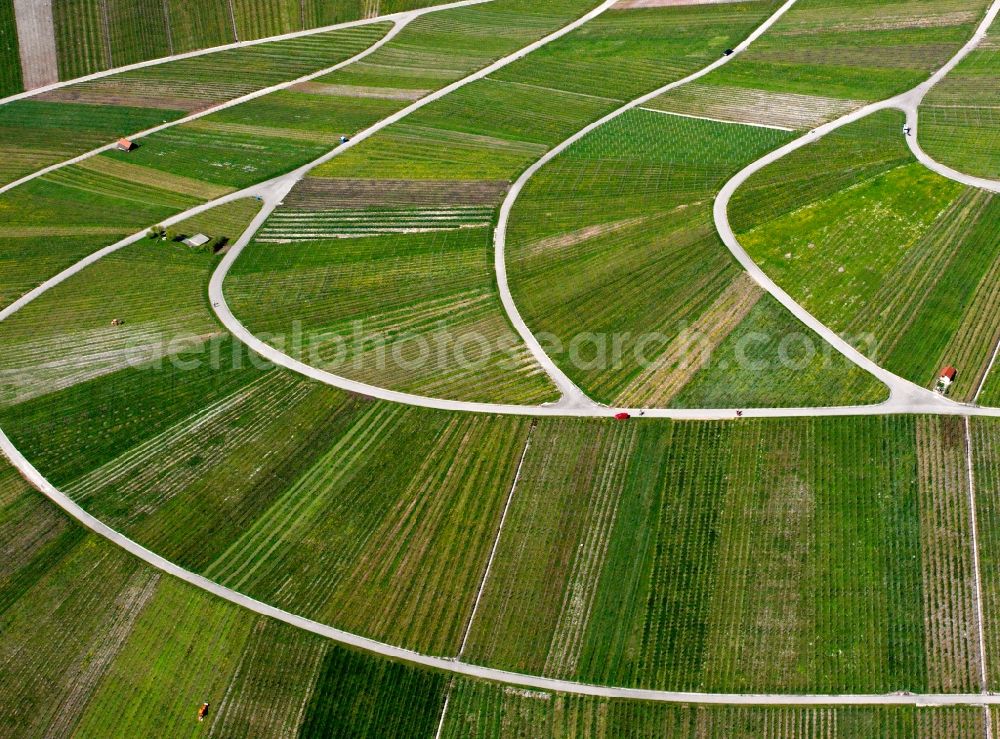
[
  {"x": 69, "y": 121},
  {"x": 985, "y": 438},
  {"x": 95, "y": 642},
  {"x": 750, "y": 558},
  {"x": 486, "y": 710},
  {"x": 416, "y": 312},
  {"x": 454, "y": 140},
  {"x": 826, "y": 57},
  {"x": 94, "y": 35},
  {"x": 811, "y": 554},
  {"x": 10, "y": 60},
  {"x": 960, "y": 117},
  {"x": 620, "y": 226},
  {"x": 898, "y": 260}
]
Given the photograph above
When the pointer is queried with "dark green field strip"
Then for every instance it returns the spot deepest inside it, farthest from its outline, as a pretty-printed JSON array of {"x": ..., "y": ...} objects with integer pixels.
[
  {"x": 613, "y": 252},
  {"x": 725, "y": 557},
  {"x": 81, "y": 38},
  {"x": 415, "y": 312},
  {"x": 960, "y": 117},
  {"x": 261, "y": 18},
  {"x": 827, "y": 57},
  {"x": 138, "y": 30},
  {"x": 900, "y": 261},
  {"x": 487, "y": 710},
  {"x": 10, "y": 59}
]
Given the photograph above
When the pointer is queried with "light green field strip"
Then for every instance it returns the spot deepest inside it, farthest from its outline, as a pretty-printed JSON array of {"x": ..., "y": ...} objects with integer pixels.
[
  {"x": 985, "y": 435},
  {"x": 900, "y": 261},
  {"x": 825, "y": 58},
  {"x": 612, "y": 251},
  {"x": 417, "y": 312},
  {"x": 960, "y": 117}
]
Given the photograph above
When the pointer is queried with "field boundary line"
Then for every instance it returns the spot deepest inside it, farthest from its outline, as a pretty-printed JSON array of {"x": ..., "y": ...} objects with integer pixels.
[
  {"x": 572, "y": 395},
  {"x": 459, "y": 668},
  {"x": 717, "y": 120},
  {"x": 237, "y": 45}
]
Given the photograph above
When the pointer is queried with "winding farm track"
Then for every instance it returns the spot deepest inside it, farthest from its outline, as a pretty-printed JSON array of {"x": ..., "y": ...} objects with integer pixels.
[
  {"x": 399, "y": 21},
  {"x": 905, "y": 399}
]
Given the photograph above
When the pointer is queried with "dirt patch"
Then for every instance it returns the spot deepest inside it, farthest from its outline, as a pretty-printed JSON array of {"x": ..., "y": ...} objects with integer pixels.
[
  {"x": 115, "y": 93},
  {"x": 324, "y": 194},
  {"x": 36, "y": 37},
  {"x": 581, "y": 235},
  {"x": 686, "y": 354},
  {"x": 359, "y": 91}
]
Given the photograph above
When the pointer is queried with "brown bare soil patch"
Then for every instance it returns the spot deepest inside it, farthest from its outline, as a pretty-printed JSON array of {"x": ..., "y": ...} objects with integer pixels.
[
  {"x": 359, "y": 91},
  {"x": 36, "y": 38}
]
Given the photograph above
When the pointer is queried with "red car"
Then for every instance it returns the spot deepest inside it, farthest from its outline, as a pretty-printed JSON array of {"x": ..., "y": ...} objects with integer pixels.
[{"x": 622, "y": 416}]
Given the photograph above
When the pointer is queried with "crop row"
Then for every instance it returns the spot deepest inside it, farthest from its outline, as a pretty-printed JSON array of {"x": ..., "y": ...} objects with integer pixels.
[{"x": 286, "y": 226}]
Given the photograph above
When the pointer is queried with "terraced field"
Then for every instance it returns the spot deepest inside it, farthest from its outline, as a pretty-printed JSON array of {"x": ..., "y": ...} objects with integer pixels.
[
  {"x": 58, "y": 125},
  {"x": 448, "y": 162},
  {"x": 621, "y": 225},
  {"x": 895, "y": 258},
  {"x": 827, "y": 57},
  {"x": 960, "y": 118}
]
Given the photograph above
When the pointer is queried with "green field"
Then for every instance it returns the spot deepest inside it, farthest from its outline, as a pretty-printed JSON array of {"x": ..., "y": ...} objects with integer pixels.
[
  {"x": 960, "y": 117},
  {"x": 900, "y": 261},
  {"x": 412, "y": 312},
  {"x": 74, "y": 119},
  {"x": 748, "y": 557},
  {"x": 612, "y": 251},
  {"x": 10, "y": 60},
  {"x": 985, "y": 435},
  {"x": 95, "y": 643},
  {"x": 824, "y": 58},
  {"x": 485, "y": 710}
]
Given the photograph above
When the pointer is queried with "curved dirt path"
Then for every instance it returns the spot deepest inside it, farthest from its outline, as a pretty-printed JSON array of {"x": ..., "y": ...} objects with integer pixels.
[{"x": 236, "y": 45}]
